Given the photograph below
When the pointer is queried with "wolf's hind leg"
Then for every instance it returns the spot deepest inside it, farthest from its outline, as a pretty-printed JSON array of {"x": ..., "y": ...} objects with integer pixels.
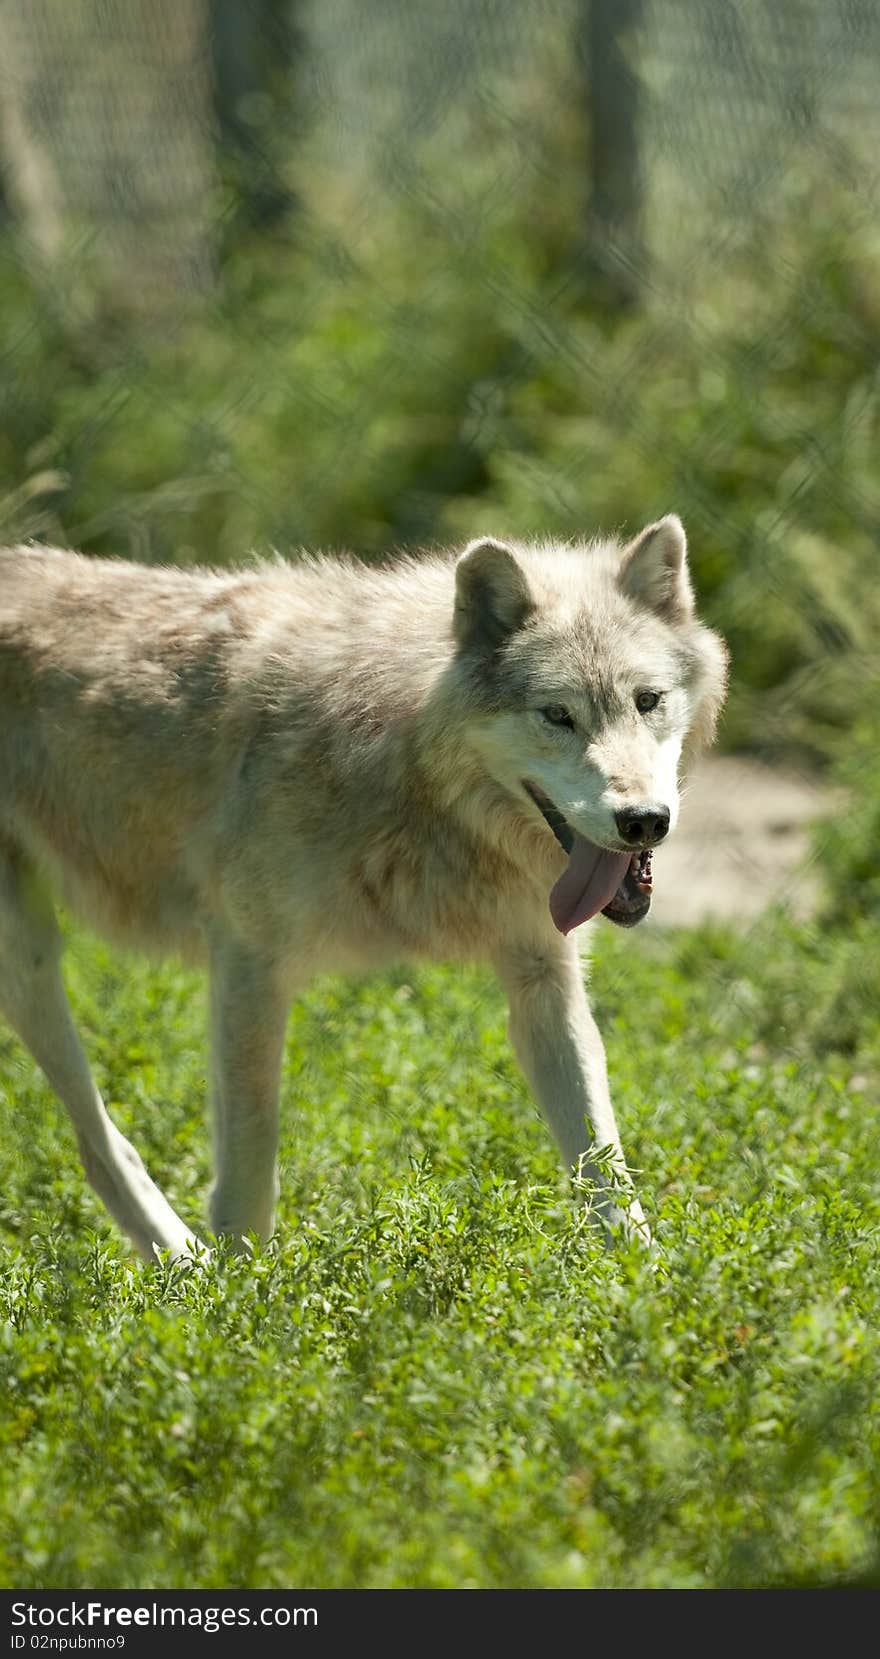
[
  {"x": 33, "y": 1002},
  {"x": 249, "y": 1006}
]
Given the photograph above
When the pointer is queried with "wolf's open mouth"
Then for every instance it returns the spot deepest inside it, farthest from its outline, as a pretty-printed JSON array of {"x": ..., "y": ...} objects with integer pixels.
[{"x": 618, "y": 884}]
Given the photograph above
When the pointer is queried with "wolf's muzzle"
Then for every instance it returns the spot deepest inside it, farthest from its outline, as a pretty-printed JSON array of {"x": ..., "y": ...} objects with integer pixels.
[{"x": 642, "y": 827}]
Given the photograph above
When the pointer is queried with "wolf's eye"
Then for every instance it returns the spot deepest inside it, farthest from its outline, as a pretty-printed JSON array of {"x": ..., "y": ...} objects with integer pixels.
[
  {"x": 647, "y": 700},
  {"x": 558, "y": 716}
]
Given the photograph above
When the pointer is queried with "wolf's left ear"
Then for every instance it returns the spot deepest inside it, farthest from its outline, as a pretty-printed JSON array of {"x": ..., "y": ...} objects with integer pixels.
[
  {"x": 492, "y": 594},
  {"x": 654, "y": 570}
]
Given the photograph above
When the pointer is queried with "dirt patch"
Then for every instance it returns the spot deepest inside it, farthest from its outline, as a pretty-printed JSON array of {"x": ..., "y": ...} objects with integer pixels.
[{"x": 742, "y": 843}]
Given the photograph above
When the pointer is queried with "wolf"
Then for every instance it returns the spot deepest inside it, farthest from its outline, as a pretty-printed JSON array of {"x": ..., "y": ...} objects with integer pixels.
[{"x": 302, "y": 767}]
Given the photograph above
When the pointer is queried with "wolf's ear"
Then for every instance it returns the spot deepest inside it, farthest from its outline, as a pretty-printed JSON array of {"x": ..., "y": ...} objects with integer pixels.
[
  {"x": 654, "y": 570},
  {"x": 492, "y": 594}
]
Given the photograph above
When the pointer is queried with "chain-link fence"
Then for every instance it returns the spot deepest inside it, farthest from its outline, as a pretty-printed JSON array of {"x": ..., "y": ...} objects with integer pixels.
[{"x": 300, "y": 274}]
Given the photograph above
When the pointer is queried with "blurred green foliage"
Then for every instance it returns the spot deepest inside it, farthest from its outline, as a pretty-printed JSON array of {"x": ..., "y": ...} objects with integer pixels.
[
  {"x": 848, "y": 843},
  {"x": 417, "y": 383}
]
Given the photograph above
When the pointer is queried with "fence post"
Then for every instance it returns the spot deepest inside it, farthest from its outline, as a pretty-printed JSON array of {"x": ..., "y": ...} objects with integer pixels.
[{"x": 615, "y": 254}]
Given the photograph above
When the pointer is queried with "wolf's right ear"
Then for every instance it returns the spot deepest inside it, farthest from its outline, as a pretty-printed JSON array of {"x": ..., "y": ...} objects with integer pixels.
[
  {"x": 654, "y": 570},
  {"x": 492, "y": 594}
]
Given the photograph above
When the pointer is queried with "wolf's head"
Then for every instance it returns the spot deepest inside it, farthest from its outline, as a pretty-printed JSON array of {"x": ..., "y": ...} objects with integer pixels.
[{"x": 592, "y": 676}]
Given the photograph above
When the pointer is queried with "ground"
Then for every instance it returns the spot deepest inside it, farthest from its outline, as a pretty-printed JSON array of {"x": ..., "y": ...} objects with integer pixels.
[
  {"x": 743, "y": 842},
  {"x": 436, "y": 1375}
]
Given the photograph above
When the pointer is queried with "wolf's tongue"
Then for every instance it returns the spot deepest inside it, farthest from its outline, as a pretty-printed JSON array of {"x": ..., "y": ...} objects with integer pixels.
[{"x": 591, "y": 880}]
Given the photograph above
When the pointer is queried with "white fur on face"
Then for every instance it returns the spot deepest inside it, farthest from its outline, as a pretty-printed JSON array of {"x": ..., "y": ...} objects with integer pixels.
[
  {"x": 665, "y": 781},
  {"x": 628, "y": 767},
  {"x": 591, "y": 648}
]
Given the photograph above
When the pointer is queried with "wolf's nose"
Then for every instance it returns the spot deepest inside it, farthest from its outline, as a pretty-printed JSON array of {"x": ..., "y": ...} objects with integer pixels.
[{"x": 642, "y": 828}]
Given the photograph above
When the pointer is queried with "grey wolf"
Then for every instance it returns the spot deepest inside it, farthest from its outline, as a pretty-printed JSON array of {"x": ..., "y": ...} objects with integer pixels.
[{"x": 299, "y": 768}]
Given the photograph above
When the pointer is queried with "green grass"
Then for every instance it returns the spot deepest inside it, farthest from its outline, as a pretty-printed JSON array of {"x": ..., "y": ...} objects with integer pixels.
[{"x": 435, "y": 1376}]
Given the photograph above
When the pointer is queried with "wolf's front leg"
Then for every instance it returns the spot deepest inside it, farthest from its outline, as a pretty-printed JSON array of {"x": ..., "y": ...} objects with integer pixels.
[{"x": 558, "y": 1045}]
